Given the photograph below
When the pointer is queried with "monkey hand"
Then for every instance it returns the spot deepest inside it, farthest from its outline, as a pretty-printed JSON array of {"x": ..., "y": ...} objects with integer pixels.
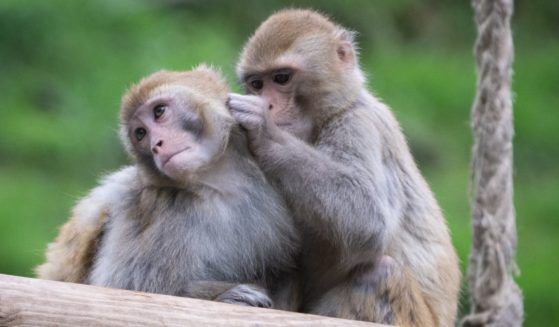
[
  {"x": 246, "y": 294},
  {"x": 252, "y": 113}
]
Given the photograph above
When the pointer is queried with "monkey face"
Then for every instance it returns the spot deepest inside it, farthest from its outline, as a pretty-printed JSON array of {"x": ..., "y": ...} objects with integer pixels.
[
  {"x": 168, "y": 133},
  {"x": 305, "y": 66},
  {"x": 175, "y": 124},
  {"x": 279, "y": 87}
]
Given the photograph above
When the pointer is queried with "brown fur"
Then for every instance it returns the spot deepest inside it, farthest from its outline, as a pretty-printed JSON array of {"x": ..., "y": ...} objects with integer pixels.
[
  {"x": 70, "y": 256},
  {"x": 203, "y": 79}
]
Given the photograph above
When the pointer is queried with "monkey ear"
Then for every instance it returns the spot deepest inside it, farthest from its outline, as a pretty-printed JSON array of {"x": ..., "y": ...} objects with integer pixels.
[{"x": 346, "y": 48}]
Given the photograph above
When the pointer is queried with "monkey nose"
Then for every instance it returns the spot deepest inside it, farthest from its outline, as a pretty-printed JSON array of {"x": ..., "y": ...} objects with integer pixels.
[
  {"x": 157, "y": 145},
  {"x": 270, "y": 107}
]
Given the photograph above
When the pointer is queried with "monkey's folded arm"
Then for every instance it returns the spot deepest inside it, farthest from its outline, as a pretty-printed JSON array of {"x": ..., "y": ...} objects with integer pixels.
[
  {"x": 346, "y": 190},
  {"x": 243, "y": 294},
  {"x": 69, "y": 257}
]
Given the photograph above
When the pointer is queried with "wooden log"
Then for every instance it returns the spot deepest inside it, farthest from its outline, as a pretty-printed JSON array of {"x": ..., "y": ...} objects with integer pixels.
[{"x": 34, "y": 302}]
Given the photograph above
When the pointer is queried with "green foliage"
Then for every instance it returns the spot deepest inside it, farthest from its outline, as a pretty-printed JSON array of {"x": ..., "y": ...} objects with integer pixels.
[{"x": 65, "y": 65}]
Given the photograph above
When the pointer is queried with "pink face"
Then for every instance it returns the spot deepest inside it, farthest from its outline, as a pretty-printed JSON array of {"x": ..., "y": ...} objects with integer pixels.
[
  {"x": 167, "y": 130},
  {"x": 278, "y": 88}
]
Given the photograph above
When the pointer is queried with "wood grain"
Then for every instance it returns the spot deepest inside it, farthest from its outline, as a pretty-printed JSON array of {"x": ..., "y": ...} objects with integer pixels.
[{"x": 34, "y": 302}]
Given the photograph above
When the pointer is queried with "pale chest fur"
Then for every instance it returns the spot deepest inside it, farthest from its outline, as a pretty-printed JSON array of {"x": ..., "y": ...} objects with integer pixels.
[{"x": 170, "y": 237}]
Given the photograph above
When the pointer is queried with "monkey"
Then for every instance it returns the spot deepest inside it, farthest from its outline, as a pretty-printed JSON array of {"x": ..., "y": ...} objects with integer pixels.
[
  {"x": 193, "y": 216},
  {"x": 375, "y": 245}
]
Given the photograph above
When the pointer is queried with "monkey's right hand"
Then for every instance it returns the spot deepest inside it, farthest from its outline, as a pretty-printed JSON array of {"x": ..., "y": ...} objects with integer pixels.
[
  {"x": 252, "y": 113},
  {"x": 246, "y": 294}
]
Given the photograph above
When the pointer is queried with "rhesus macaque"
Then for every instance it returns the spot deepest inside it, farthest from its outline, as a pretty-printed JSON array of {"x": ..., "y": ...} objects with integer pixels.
[
  {"x": 193, "y": 217},
  {"x": 375, "y": 244}
]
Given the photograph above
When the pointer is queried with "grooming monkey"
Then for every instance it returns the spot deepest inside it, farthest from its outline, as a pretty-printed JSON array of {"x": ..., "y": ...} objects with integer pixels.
[
  {"x": 375, "y": 244},
  {"x": 193, "y": 217}
]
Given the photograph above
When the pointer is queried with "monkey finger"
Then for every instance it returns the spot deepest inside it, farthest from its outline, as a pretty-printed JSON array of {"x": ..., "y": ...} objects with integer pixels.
[
  {"x": 246, "y": 103},
  {"x": 248, "y": 121},
  {"x": 242, "y": 110},
  {"x": 253, "y": 99},
  {"x": 246, "y": 295},
  {"x": 242, "y": 106}
]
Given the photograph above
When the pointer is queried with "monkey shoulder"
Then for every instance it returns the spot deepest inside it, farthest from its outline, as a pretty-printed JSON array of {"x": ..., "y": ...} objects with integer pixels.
[
  {"x": 256, "y": 218},
  {"x": 257, "y": 208}
]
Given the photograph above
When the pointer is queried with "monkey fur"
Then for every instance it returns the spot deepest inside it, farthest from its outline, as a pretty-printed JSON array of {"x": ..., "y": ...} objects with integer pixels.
[
  {"x": 375, "y": 244},
  {"x": 194, "y": 216}
]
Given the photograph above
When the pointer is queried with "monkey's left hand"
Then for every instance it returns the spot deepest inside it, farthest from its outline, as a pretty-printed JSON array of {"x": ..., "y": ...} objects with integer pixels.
[
  {"x": 246, "y": 294},
  {"x": 252, "y": 113}
]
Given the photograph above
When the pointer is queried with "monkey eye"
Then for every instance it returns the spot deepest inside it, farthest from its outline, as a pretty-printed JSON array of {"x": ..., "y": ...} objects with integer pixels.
[
  {"x": 140, "y": 132},
  {"x": 281, "y": 78},
  {"x": 257, "y": 84},
  {"x": 159, "y": 110}
]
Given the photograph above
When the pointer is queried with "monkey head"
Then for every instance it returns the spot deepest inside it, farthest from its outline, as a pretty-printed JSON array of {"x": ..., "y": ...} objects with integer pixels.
[
  {"x": 303, "y": 65},
  {"x": 175, "y": 124}
]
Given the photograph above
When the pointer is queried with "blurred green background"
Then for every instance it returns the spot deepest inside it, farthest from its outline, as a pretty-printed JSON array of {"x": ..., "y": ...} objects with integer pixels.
[{"x": 65, "y": 64}]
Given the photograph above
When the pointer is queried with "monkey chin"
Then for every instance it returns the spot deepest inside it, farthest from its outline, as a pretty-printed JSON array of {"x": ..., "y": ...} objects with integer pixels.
[{"x": 183, "y": 166}]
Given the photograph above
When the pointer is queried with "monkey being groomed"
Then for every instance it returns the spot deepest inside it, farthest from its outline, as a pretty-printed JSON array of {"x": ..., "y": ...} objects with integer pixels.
[
  {"x": 375, "y": 244},
  {"x": 193, "y": 217}
]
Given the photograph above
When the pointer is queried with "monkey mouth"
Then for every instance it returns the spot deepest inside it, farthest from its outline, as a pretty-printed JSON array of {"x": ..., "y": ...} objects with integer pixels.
[
  {"x": 283, "y": 124},
  {"x": 171, "y": 156}
]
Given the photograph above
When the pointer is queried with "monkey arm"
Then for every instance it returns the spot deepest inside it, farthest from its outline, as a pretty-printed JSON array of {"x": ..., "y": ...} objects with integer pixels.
[
  {"x": 206, "y": 289},
  {"x": 344, "y": 185},
  {"x": 352, "y": 196},
  {"x": 244, "y": 294}
]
